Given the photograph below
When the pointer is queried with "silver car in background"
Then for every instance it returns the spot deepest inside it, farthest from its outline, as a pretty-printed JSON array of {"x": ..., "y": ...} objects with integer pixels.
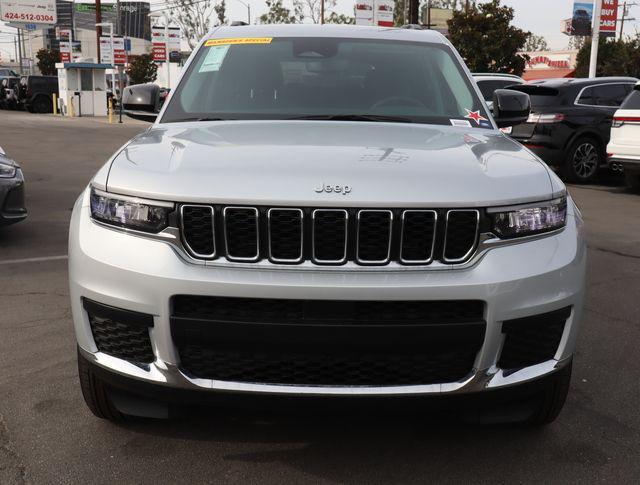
[{"x": 326, "y": 211}]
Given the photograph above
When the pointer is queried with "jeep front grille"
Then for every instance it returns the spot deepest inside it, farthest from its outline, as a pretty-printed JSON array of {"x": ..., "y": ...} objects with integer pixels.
[{"x": 286, "y": 235}]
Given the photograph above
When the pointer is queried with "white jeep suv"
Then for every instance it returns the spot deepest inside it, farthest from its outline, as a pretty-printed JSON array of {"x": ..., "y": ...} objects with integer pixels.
[
  {"x": 623, "y": 150},
  {"x": 329, "y": 212}
]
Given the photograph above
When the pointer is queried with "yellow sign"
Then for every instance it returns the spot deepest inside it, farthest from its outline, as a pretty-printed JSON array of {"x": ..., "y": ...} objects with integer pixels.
[{"x": 238, "y": 40}]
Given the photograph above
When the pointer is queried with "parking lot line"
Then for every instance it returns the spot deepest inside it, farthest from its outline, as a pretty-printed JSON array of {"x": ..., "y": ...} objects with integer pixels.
[{"x": 34, "y": 260}]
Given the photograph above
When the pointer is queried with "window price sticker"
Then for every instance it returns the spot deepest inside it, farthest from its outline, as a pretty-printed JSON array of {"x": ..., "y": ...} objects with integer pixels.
[
  {"x": 214, "y": 58},
  {"x": 238, "y": 41}
]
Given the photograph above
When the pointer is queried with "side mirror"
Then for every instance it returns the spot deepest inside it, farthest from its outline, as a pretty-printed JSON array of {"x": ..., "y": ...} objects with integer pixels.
[
  {"x": 510, "y": 107},
  {"x": 141, "y": 101}
]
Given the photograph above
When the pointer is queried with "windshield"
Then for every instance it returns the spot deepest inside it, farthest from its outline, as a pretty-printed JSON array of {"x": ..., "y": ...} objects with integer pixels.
[{"x": 326, "y": 78}]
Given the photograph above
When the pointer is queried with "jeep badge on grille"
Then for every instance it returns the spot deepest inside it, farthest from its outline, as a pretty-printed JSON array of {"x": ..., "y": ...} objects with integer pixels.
[{"x": 338, "y": 189}]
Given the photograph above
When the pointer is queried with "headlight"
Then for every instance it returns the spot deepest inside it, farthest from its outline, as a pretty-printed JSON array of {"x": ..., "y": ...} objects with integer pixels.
[
  {"x": 530, "y": 219},
  {"x": 130, "y": 212},
  {"x": 7, "y": 171}
]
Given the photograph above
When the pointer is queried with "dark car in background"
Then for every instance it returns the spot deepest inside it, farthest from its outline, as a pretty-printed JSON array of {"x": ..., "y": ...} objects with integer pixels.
[
  {"x": 36, "y": 93},
  {"x": 492, "y": 81},
  {"x": 12, "y": 200},
  {"x": 570, "y": 122},
  {"x": 9, "y": 92}
]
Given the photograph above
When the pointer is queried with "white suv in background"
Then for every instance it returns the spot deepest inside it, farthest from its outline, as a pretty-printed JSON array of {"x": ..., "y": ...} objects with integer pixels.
[{"x": 624, "y": 148}]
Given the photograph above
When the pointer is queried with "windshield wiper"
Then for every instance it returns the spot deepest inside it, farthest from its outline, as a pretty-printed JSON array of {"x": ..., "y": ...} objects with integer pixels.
[{"x": 354, "y": 117}]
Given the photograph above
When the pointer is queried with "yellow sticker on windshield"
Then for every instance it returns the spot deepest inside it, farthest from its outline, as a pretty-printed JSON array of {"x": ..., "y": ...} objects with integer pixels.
[{"x": 239, "y": 40}]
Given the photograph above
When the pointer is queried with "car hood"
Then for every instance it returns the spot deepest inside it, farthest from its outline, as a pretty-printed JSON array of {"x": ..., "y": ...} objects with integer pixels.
[{"x": 286, "y": 162}]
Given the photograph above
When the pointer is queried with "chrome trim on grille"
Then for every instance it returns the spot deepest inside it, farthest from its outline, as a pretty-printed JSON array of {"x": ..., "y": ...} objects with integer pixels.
[
  {"x": 213, "y": 231},
  {"x": 433, "y": 240},
  {"x": 226, "y": 242},
  {"x": 381, "y": 261},
  {"x": 446, "y": 236},
  {"x": 313, "y": 237},
  {"x": 286, "y": 209}
]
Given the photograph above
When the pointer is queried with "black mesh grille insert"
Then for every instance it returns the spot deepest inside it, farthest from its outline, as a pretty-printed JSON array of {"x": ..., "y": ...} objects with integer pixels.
[
  {"x": 329, "y": 235},
  {"x": 418, "y": 233},
  {"x": 462, "y": 231},
  {"x": 120, "y": 333},
  {"x": 322, "y": 342},
  {"x": 197, "y": 229},
  {"x": 241, "y": 231},
  {"x": 374, "y": 236},
  {"x": 327, "y": 370},
  {"x": 285, "y": 234},
  {"x": 532, "y": 340},
  {"x": 266, "y": 310}
]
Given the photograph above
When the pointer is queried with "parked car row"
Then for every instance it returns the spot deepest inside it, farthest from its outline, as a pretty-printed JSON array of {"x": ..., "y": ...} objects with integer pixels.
[
  {"x": 572, "y": 121},
  {"x": 31, "y": 93}
]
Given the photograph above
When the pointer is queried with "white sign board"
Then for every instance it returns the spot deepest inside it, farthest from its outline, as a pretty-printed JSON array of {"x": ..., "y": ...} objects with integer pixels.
[
  {"x": 119, "y": 56},
  {"x": 29, "y": 11},
  {"x": 364, "y": 12},
  {"x": 159, "y": 42},
  {"x": 375, "y": 12}
]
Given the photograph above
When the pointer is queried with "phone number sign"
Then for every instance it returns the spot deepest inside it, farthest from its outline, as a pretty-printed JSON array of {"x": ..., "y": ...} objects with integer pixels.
[{"x": 31, "y": 11}]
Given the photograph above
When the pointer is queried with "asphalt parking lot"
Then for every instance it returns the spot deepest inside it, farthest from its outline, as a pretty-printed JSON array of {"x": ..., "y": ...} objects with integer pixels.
[{"x": 47, "y": 435}]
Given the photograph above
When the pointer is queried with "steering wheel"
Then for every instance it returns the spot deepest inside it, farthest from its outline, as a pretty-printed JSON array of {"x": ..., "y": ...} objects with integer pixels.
[{"x": 401, "y": 100}]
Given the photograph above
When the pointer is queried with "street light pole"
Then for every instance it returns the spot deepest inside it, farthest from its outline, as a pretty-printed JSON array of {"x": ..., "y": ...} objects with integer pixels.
[
  {"x": 248, "y": 10},
  {"x": 595, "y": 40}
]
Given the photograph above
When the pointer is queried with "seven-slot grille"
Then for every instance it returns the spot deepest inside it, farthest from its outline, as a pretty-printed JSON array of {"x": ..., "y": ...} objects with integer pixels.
[{"x": 287, "y": 235}]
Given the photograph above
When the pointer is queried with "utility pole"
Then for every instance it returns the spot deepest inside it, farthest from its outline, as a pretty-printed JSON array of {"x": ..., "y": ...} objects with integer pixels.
[
  {"x": 98, "y": 28},
  {"x": 414, "y": 12},
  {"x": 595, "y": 39},
  {"x": 428, "y": 14},
  {"x": 322, "y": 12},
  {"x": 625, "y": 13}
]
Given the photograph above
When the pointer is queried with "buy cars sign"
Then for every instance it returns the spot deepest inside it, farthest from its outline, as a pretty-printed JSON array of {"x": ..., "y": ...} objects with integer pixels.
[{"x": 609, "y": 18}]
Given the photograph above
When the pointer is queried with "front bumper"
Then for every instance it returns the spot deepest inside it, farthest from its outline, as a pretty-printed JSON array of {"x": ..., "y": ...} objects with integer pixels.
[
  {"x": 12, "y": 199},
  {"x": 141, "y": 275}
]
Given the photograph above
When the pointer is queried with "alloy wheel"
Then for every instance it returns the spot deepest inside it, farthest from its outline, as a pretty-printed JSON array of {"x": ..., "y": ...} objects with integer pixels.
[{"x": 585, "y": 160}]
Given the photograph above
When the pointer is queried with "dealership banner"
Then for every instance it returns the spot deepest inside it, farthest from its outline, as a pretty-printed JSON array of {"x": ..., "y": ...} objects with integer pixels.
[
  {"x": 29, "y": 11},
  {"x": 66, "y": 51},
  {"x": 582, "y": 19},
  {"x": 609, "y": 18}
]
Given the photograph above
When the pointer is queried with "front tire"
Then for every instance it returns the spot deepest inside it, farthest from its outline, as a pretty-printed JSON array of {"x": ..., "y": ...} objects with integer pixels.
[
  {"x": 553, "y": 397},
  {"x": 41, "y": 105},
  {"x": 96, "y": 394},
  {"x": 583, "y": 161}
]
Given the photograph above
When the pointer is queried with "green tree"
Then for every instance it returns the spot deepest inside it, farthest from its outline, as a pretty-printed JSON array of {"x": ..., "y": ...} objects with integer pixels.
[
  {"x": 196, "y": 18},
  {"x": 536, "y": 43},
  {"x": 47, "y": 59},
  {"x": 142, "y": 69},
  {"x": 615, "y": 58},
  {"x": 335, "y": 18},
  {"x": 279, "y": 14},
  {"x": 486, "y": 39}
]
